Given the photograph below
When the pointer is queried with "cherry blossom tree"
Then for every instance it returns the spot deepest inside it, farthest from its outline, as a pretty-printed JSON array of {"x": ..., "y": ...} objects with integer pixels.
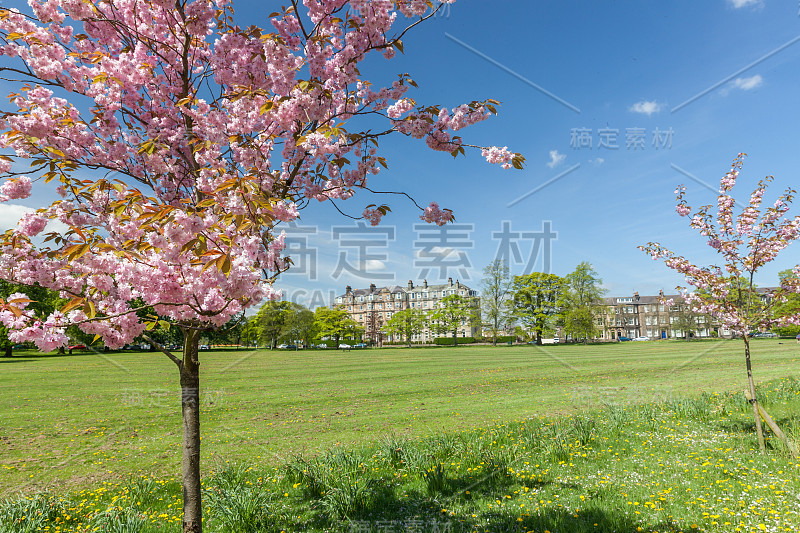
[
  {"x": 178, "y": 143},
  {"x": 746, "y": 242}
]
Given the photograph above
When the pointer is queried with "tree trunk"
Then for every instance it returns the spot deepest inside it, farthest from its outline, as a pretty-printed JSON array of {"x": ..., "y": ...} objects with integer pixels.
[
  {"x": 190, "y": 407},
  {"x": 455, "y": 337},
  {"x": 754, "y": 400},
  {"x": 7, "y": 351}
]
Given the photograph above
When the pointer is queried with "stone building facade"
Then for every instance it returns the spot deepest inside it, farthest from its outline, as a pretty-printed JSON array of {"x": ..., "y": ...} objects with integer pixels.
[
  {"x": 371, "y": 308},
  {"x": 646, "y": 316}
]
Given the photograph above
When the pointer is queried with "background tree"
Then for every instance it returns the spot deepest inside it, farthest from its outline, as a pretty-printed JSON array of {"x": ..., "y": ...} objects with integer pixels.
[
  {"x": 452, "y": 312},
  {"x": 298, "y": 324},
  {"x": 214, "y": 134},
  {"x": 746, "y": 242},
  {"x": 406, "y": 323},
  {"x": 580, "y": 301},
  {"x": 250, "y": 331},
  {"x": 228, "y": 334},
  {"x": 271, "y": 319},
  {"x": 334, "y": 324},
  {"x": 537, "y": 301},
  {"x": 790, "y": 307},
  {"x": 496, "y": 301}
]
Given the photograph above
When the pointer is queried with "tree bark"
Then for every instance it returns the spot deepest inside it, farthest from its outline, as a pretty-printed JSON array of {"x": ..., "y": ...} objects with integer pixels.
[
  {"x": 190, "y": 408},
  {"x": 7, "y": 351},
  {"x": 754, "y": 399}
]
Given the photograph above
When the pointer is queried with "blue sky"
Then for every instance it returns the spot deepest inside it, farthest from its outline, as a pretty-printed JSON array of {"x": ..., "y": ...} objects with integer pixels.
[
  {"x": 627, "y": 67},
  {"x": 710, "y": 76}
]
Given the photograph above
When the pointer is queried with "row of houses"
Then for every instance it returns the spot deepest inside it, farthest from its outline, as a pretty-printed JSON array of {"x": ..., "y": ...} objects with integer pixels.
[
  {"x": 648, "y": 316},
  {"x": 620, "y": 316}
]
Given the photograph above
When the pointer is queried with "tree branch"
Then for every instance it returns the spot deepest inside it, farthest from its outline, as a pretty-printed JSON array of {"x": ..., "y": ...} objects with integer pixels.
[{"x": 161, "y": 348}]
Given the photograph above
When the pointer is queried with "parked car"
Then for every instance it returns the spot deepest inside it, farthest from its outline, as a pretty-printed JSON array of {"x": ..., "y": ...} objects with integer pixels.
[
  {"x": 360, "y": 345},
  {"x": 623, "y": 339},
  {"x": 291, "y": 346},
  {"x": 764, "y": 335},
  {"x": 344, "y": 346},
  {"x": 204, "y": 347},
  {"x": 320, "y": 346},
  {"x": 642, "y": 338},
  {"x": 78, "y": 347},
  {"x": 283, "y": 346}
]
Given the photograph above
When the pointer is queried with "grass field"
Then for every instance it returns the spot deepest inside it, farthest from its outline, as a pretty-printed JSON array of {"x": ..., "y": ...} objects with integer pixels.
[{"x": 429, "y": 422}]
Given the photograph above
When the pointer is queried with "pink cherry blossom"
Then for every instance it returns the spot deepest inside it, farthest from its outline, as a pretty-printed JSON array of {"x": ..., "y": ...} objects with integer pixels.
[
  {"x": 32, "y": 224},
  {"x": 15, "y": 189},
  {"x": 438, "y": 216}
]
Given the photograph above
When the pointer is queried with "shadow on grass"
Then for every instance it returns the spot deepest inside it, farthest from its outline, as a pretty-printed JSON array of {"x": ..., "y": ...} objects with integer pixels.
[
  {"x": 556, "y": 520},
  {"x": 27, "y": 357}
]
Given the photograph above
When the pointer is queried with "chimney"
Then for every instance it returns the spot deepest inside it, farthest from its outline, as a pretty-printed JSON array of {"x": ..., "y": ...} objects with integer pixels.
[
  {"x": 371, "y": 288},
  {"x": 661, "y": 293},
  {"x": 410, "y": 284},
  {"x": 450, "y": 281},
  {"x": 636, "y": 296},
  {"x": 458, "y": 284},
  {"x": 424, "y": 283},
  {"x": 348, "y": 289}
]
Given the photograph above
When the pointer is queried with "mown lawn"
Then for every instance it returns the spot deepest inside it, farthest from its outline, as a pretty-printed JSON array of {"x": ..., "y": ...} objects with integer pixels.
[
  {"x": 671, "y": 465},
  {"x": 72, "y": 422}
]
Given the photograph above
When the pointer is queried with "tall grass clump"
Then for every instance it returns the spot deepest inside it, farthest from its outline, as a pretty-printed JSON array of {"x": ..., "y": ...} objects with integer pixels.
[{"x": 26, "y": 515}]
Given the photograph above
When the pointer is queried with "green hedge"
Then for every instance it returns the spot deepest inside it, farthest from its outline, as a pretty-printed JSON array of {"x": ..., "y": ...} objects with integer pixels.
[{"x": 446, "y": 341}]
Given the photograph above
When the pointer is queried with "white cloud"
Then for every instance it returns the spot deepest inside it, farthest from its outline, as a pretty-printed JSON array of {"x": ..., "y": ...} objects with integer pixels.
[
  {"x": 646, "y": 107},
  {"x": 10, "y": 215},
  {"x": 597, "y": 161},
  {"x": 555, "y": 158},
  {"x": 737, "y": 4},
  {"x": 746, "y": 84},
  {"x": 373, "y": 264},
  {"x": 435, "y": 251}
]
